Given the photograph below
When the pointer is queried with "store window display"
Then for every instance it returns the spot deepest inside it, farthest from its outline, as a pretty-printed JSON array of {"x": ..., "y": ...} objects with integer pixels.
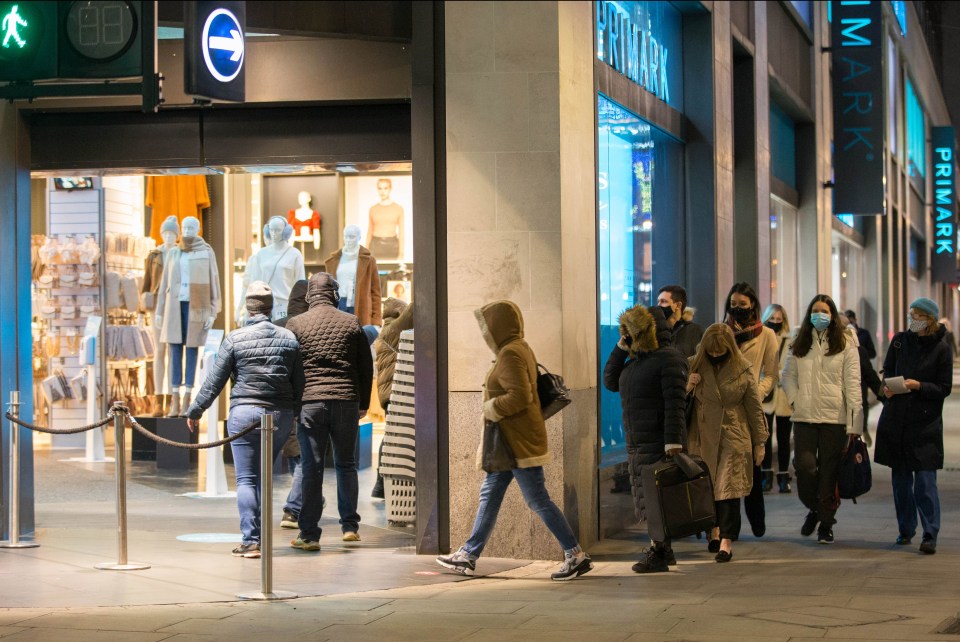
[
  {"x": 153, "y": 267},
  {"x": 188, "y": 302},
  {"x": 385, "y": 229},
  {"x": 305, "y": 221},
  {"x": 180, "y": 196},
  {"x": 278, "y": 264},
  {"x": 355, "y": 269}
]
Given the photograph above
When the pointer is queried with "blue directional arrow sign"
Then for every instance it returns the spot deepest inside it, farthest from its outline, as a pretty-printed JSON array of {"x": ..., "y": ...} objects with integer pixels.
[
  {"x": 222, "y": 44},
  {"x": 215, "y": 51}
]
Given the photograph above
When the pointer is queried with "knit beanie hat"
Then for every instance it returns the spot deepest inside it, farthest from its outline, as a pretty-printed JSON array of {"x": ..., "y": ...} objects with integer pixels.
[
  {"x": 259, "y": 298},
  {"x": 927, "y": 306},
  {"x": 170, "y": 224}
]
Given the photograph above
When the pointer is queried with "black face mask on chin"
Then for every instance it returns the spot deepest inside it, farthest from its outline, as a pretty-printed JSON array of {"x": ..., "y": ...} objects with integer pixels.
[
  {"x": 776, "y": 327},
  {"x": 718, "y": 359},
  {"x": 741, "y": 315}
]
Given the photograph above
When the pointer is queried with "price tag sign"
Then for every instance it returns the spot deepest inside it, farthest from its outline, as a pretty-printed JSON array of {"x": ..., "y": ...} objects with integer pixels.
[
  {"x": 214, "y": 339},
  {"x": 92, "y": 329}
]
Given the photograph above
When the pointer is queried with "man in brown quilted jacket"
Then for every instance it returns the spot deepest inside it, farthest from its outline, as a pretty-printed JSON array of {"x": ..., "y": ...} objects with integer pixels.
[{"x": 338, "y": 369}]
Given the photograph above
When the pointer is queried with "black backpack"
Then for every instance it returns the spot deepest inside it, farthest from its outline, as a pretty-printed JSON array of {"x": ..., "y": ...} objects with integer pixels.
[{"x": 855, "y": 477}]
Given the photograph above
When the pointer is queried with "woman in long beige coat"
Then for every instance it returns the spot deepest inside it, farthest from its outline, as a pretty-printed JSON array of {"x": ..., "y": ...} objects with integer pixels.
[{"x": 727, "y": 430}]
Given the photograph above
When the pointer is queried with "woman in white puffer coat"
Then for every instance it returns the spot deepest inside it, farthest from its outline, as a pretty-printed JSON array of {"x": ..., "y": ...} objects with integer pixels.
[{"x": 821, "y": 379}]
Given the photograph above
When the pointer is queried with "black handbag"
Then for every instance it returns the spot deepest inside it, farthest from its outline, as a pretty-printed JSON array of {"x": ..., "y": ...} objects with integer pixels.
[
  {"x": 855, "y": 477},
  {"x": 552, "y": 391},
  {"x": 495, "y": 454},
  {"x": 678, "y": 494}
]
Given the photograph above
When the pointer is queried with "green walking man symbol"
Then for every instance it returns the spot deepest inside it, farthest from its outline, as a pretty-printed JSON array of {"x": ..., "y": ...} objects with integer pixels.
[{"x": 11, "y": 23}]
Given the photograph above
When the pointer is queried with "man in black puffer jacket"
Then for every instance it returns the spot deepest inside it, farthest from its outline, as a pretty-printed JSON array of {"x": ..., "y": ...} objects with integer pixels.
[
  {"x": 651, "y": 378},
  {"x": 264, "y": 363},
  {"x": 338, "y": 368}
]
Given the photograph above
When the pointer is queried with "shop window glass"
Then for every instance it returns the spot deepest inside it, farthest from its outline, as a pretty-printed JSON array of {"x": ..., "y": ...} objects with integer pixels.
[
  {"x": 784, "y": 285},
  {"x": 916, "y": 133},
  {"x": 637, "y": 184},
  {"x": 783, "y": 146},
  {"x": 805, "y": 9},
  {"x": 847, "y": 273}
]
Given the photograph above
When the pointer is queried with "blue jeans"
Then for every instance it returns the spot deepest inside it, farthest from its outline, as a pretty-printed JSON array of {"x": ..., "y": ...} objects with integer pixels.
[
  {"x": 916, "y": 492},
  {"x": 295, "y": 496},
  {"x": 246, "y": 461},
  {"x": 176, "y": 353},
  {"x": 320, "y": 422},
  {"x": 534, "y": 491}
]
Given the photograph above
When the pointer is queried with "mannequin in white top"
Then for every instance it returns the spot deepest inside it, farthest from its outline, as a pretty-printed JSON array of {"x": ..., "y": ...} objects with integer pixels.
[
  {"x": 306, "y": 221},
  {"x": 277, "y": 264},
  {"x": 347, "y": 269}
]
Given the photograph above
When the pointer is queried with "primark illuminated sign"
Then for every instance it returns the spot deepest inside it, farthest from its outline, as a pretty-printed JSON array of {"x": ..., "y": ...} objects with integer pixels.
[
  {"x": 632, "y": 38},
  {"x": 943, "y": 264}
]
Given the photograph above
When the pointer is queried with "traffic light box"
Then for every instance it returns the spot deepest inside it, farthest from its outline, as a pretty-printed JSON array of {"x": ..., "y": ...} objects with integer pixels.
[{"x": 42, "y": 40}]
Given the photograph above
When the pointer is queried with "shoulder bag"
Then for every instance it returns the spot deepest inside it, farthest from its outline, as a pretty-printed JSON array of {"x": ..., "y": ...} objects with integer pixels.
[
  {"x": 495, "y": 455},
  {"x": 552, "y": 391}
]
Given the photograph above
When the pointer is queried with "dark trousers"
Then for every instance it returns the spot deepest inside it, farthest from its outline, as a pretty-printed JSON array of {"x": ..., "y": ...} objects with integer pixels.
[
  {"x": 784, "y": 428},
  {"x": 866, "y": 408},
  {"x": 322, "y": 422},
  {"x": 728, "y": 518},
  {"x": 819, "y": 450},
  {"x": 916, "y": 492},
  {"x": 753, "y": 504}
]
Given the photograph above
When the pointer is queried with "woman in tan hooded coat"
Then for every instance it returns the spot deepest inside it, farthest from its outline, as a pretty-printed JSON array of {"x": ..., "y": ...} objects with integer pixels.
[
  {"x": 728, "y": 429},
  {"x": 510, "y": 398}
]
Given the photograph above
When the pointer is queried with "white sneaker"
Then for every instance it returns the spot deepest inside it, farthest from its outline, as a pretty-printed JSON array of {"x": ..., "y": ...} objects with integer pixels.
[
  {"x": 573, "y": 567},
  {"x": 459, "y": 562}
]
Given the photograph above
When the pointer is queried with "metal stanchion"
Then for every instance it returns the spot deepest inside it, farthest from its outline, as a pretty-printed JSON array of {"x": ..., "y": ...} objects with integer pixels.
[
  {"x": 119, "y": 412},
  {"x": 266, "y": 517},
  {"x": 14, "y": 503}
]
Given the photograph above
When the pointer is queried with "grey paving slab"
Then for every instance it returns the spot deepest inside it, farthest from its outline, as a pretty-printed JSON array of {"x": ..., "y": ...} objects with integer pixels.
[
  {"x": 76, "y": 635},
  {"x": 616, "y": 618},
  {"x": 497, "y": 635},
  {"x": 374, "y": 633},
  {"x": 10, "y": 630}
]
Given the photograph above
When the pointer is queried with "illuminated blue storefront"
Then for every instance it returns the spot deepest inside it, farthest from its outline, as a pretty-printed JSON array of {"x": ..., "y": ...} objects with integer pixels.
[{"x": 640, "y": 176}]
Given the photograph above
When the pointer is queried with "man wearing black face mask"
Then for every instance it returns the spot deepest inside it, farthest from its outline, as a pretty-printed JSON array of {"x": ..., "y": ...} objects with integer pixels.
[{"x": 685, "y": 335}]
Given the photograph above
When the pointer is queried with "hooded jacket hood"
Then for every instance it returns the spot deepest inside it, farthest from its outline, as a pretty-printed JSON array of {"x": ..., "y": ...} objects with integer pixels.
[
  {"x": 297, "y": 303},
  {"x": 323, "y": 289},
  {"x": 392, "y": 308},
  {"x": 646, "y": 327},
  {"x": 500, "y": 323}
]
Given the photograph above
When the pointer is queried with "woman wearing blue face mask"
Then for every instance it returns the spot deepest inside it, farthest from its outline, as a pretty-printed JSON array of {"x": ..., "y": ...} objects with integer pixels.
[
  {"x": 821, "y": 379},
  {"x": 910, "y": 430}
]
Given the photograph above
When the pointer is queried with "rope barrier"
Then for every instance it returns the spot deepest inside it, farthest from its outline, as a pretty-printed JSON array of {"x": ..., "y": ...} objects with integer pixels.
[
  {"x": 60, "y": 431},
  {"x": 180, "y": 444}
]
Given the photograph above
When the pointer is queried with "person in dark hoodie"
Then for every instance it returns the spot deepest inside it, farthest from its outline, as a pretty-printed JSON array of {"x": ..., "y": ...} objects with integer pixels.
[
  {"x": 291, "y": 449},
  {"x": 910, "y": 430},
  {"x": 338, "y": 369},
  {"x": 651, "y": 378},
  {"x": 263, "y": 361}
]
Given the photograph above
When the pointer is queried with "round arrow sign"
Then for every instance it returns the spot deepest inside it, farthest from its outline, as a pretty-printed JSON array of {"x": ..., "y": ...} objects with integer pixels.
[{"x": 223, "y": 45}]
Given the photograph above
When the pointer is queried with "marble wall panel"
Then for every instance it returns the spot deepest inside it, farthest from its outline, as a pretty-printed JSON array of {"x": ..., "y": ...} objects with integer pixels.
[
  {"x": 470, "y": 31},
  {"x": 544, "y": 91},
  {"x": 486, "y": 266},
  {"x": 471, "y": 192},
  {"x": 526, "y": 36},
  {"x": 528, "y": 191},
  {"x": 487, "y": 112}
]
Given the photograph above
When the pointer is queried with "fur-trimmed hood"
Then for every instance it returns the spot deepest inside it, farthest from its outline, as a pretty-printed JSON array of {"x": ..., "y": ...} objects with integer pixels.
[
  {"x": 500, "y": 323},
  {"x": 646, "y": 328}
]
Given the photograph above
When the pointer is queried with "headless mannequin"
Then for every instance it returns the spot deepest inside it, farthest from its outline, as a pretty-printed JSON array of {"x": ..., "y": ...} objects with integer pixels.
[
  {"x": 347, "y": 270},
  {"x": 181, "y": 393},
  {"x": 160, "y": 355},
  {"x": 278, "y": 264},
  {"x": 303, "y": 221}
]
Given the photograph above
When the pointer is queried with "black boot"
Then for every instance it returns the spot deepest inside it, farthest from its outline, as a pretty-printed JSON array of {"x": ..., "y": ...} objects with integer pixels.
[
  {"x": 377, "y": 492},
  {"x": 783, "y": 481},
  {"x": 655, "y": 561}
]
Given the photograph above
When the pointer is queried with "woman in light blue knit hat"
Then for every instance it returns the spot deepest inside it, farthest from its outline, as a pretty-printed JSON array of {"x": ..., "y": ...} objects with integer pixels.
[{"x": 910, "y": 430}]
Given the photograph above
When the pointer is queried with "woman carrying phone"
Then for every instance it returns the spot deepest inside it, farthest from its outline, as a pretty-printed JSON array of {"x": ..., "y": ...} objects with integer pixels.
[{"x": 910, "y": 430}]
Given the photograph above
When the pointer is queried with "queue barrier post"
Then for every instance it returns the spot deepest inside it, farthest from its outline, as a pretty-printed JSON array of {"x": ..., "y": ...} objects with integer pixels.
[
  {"x": 14, "y": 503},
  {"x": 266, "y": 517},
  {"x": 122, "y": 564}
]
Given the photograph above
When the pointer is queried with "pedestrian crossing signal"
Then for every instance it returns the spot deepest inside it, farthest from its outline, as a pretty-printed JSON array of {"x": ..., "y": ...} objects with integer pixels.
[{"x": 28, "y": 40}]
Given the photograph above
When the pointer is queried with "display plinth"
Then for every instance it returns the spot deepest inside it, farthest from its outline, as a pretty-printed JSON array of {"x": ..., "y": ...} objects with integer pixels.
[{"x": 167, "y": 457}]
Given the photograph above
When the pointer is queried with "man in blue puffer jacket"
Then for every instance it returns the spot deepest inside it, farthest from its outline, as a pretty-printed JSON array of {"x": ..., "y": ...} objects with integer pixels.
[{"x": 263, "y": 362}]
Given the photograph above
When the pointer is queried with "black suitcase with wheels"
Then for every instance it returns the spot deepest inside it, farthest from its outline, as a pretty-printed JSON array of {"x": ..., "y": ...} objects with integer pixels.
[{"x": 678, "y": 493}]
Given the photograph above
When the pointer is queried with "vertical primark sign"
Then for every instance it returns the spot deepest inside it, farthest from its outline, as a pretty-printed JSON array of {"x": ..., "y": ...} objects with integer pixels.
[
  {"x": 943, "y": 263},
  {"x": 858, "y": 128}
]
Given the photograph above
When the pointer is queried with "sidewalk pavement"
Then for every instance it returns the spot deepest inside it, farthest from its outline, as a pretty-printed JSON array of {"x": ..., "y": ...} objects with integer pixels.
[{"x": 783, "y": 587}]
